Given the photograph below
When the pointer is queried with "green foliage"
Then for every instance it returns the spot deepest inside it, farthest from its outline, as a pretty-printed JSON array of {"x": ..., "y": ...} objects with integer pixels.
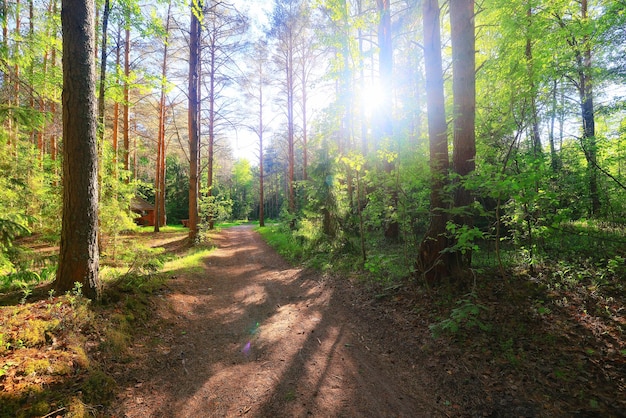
[
  {"x": 282, "y": 240},
  {"x": 9, "y": 230},
  {"x": 385, "y": 267},
  {"x": 241, "y": 190},
  {"x": 142, "y": 261},
  {"x": 176, "y": 190},
  {"x": 218, "y": 208},
  {"x": 466, "y": 317},
  {"x": 115, "y": 195},
  {"x": 465, "y": 238}
]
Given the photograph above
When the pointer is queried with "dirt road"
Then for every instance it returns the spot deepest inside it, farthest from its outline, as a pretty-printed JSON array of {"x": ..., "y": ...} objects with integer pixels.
[{"x": 252, "y": 336}]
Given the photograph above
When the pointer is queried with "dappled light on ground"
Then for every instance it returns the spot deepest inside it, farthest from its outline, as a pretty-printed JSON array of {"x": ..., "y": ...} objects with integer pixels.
[{"x": 251, "y": 335}]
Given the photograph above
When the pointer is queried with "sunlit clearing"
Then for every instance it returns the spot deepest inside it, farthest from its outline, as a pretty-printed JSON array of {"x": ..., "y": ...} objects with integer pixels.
[{"x": 190, "y": 262}]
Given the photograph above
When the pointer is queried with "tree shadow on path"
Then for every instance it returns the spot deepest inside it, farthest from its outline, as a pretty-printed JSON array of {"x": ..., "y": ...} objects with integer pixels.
[{"x": 254, "y": 336}]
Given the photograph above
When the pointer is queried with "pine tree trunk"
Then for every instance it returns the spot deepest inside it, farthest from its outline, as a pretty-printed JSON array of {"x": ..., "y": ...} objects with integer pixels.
[
  {"x": 78, "y": 258},
  {"x": 194, "y": 140}
]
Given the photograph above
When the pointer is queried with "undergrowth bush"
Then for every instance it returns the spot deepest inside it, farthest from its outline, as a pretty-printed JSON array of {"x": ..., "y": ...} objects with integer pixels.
[{"x": 464, "y": 318}]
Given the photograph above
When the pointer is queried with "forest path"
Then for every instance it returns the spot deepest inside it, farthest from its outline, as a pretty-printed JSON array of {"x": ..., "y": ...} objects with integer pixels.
[{"x": 252, "y": 336}]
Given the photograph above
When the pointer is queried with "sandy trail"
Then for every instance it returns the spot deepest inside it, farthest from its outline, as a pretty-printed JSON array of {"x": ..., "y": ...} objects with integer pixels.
[{"x": 252, "y": 336}]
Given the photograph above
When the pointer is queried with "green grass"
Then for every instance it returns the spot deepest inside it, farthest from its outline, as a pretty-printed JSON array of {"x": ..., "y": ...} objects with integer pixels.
[
  {"x": 228, "y": 224},
  {"x": 281, "y": 239},
  {"x": 164, "y": 229},
  {"x": 191, "y": 263}
]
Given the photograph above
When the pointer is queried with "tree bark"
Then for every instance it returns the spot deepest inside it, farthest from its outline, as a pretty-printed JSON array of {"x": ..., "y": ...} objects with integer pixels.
[
  {"x": 194, "y": 103},
  {"x": 78, "y": 258},
  {"x": 431, "y": 258},
  {"x": 464, "y": 90}
]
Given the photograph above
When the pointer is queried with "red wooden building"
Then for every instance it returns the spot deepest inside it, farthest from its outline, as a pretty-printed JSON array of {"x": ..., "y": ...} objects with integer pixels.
[{"x": 144, "y": 209}]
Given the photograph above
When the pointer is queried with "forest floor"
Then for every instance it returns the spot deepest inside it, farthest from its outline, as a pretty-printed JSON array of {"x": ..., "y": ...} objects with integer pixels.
[{"x": 247, "y": 334}]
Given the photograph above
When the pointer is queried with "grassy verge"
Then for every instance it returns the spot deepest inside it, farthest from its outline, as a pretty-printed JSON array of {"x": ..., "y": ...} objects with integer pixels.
[
  {"x": 57, "y": 351},
  {"x": 283, "y": 241}
]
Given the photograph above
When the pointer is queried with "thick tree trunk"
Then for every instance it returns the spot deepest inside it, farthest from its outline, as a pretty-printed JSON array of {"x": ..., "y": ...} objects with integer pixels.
[
  {"x": 78, "y": 258},
  {"x": 194, "y": 140},
  {"x": 464, "y": 90},
  {"x": 431, "y": 260}
]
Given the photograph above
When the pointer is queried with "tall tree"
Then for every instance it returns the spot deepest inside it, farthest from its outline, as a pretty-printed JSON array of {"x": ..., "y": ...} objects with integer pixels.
[
  {"x": 78, "y": 258},
  {"x": 193, "y": 114},
  {"x": 585, "y": 90},
  {"x": 464, "y": 91},
  {"x": 222, "y": 25},
  {"x": 284, "y": 30},
  {"x": 431, "y": 262},
  {"x": 103, "y": 67},
  {"x": 578, "y": 29},
  {"x": 159, "y": 189},
  {"x": 126, "y": 103},
  {"x": 257, "y": 81},
  {"x": 116, "y": 106}
]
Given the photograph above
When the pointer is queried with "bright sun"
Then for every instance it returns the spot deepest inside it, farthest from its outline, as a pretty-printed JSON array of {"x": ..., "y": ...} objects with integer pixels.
[{"x": 372, "y": 96}]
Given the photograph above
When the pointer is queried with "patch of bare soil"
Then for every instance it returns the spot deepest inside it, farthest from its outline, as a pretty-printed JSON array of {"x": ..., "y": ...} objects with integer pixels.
[{"x": 253, "y": 336}]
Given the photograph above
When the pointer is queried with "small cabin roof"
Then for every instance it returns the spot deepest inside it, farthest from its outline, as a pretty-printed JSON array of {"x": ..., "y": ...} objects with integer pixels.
[{"x": 139, "y": 204}]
